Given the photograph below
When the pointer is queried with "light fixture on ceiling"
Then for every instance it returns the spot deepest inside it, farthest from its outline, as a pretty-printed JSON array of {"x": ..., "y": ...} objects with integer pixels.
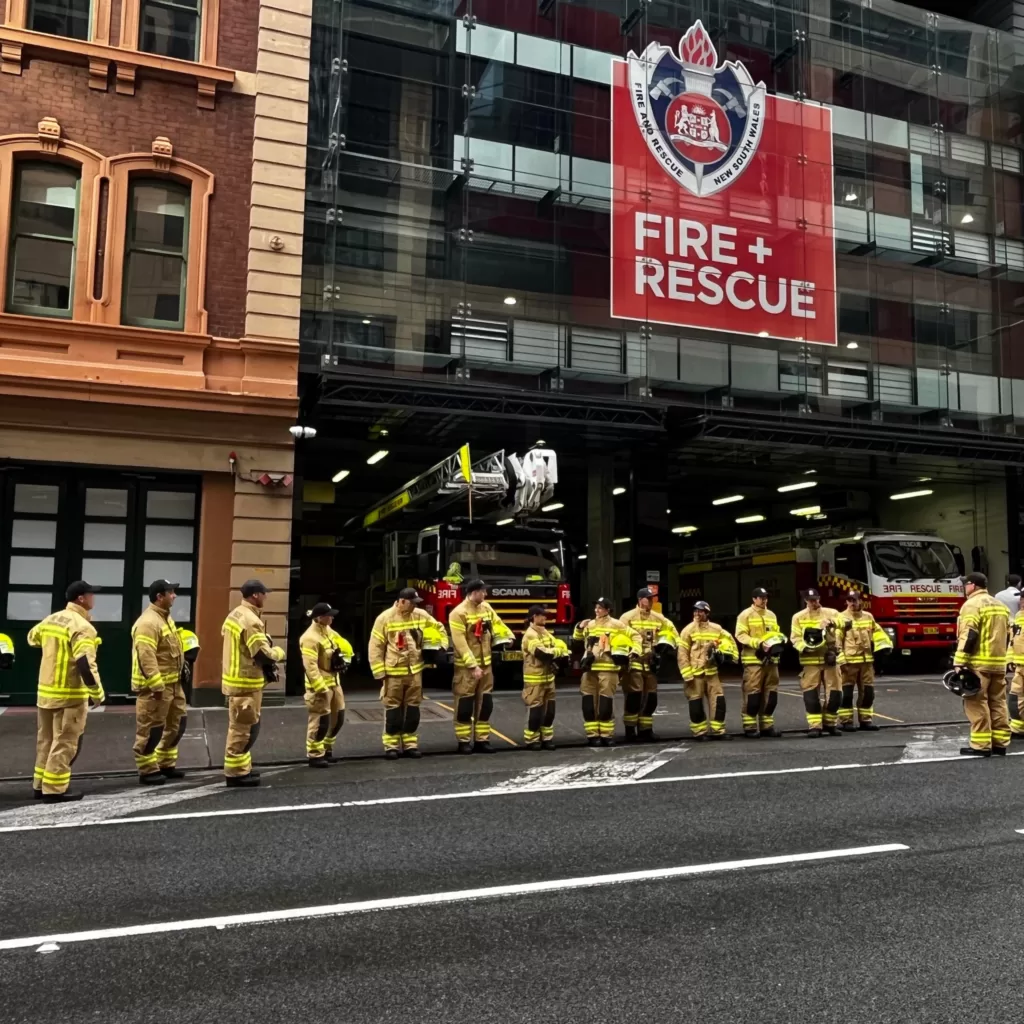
[
  {"x": 581, "y": 558},
  {"x": 810, "y": 510},
  {"x": 850, "y": 197},
  {"x": 801, "y": 486},
  {"x": 377, "y": 456},
  {"x": 510, "y": 300},
  {"x": 750, "y": 519},
  {"x": 852, "y": 344},
  {"x": 684, "y": 529},
  {"x": 302, "y": 433},
  {"x": 810, "y": 472},
  {"x": 668, "y": 511},
  {"x": 910, "y": 494},
  {"x": 729, "y": 500},
  {"x": 504, "y": 522},
  {"x": 554, "y": 507},
  {"x": 366, "y": 319},
  {"x": 967, "y": 218},
  {"x": 924, "y": 479},
  {"x": 622, "y": 540},
  {"x": 820, "y": 515},
  {"x": 618, "y": 490},
  {"x": 339, "y": 476}
]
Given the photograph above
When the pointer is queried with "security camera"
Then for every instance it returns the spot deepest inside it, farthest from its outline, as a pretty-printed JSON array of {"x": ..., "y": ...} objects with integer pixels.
[{"x": 306, "y": 433}]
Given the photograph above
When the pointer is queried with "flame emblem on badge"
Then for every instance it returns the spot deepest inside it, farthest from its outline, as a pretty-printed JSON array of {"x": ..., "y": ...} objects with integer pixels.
[{"x": 702, "y": 120}]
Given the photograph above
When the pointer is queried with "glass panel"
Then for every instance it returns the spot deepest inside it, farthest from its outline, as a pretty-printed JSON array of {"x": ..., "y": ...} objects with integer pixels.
[
  {"x": 31, "y": 569},
  {"x": 153, "y": 287},
  {"x": 103, "y": 572},
  {"x": 41, "y": 273},
  {"x": 106, "y": 502},
  {"x": 171, "y": 505},
  {"x": 60, "y": 17},
  {"x": 159, "y": 214},
  {"x": 107, "y": 608},
  {"x": 104, "y": 537},
  {"x": 170, "y": 29},
  {"x": 175, "y": 539},
  {"x": 42, "y": 499},
  {"x": 34, "y": 533},
  {"x": 28, "y": 606},
  {"x": 161, "y": 569},
  {"x": 180, "y": 612},
  {"x": 47, "y": 201}
]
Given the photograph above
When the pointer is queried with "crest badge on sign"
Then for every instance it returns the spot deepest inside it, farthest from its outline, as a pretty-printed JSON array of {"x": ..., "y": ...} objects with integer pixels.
[{"x": 702, "y": 120}]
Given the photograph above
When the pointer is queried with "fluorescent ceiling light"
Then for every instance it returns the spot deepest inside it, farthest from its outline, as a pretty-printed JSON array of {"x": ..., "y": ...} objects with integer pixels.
[
  {"x": 553, "y": 507},
  {"x": 504, "y": 522},
  {"x": 850, "y": 197},
  {"x": 924, "y": 479},
  {"x": 339, "y": 476},
  {"x": 366, "y": 319},
  {"x": 729, "y": 500},
  {"x": 852, "y": 344},
  {"x": 581, "y": 558},
  {"x": 810, "y": 472},
  {"x": 510, "y": 300},
  {"x": 810, "y": 510},
  {"x": 967, "y": 219},
  {"x": 618, "y": 490},
  {"x": 622, "y": 540},
  {"x": 668, "y": 511},
  {"x": 910, "y": 494},
  {"x": 750, "y": 519},
  {"x": 376, "y": 457},
  {"x": 801, "y": 486},
  {"x": 684, "y": 529}
]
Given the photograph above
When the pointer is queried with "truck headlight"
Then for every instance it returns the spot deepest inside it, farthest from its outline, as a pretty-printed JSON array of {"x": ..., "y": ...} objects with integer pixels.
[{"x": 890, "y": 632}]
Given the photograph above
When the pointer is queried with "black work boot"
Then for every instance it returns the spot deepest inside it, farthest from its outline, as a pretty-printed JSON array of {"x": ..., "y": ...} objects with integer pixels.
[
  {"x": 482, "y": 747},
  {"x": 242, "y": 781},
  {"x": 814, "y": 734},
  {"x": 607, "y": 741},
  {"x": 971, "y": 752},
  {"x": 465, "y": 747},
  {"x": 771, "y": 732},
  {"x": 870, "y": 727},
  {"x": 172, "y": 773},
  {"x": 532, "y": 745},
  {"x": 318, "y": 762},
  {"x": 999, "y": 751},
  {"x": 833, "y": 730},
  {"x": 330, "y": 758},
  {"x": 631, "y": 734},
  {"x": 849, "y": 727},
  {"x": 413, "y": 752},
  {"x": 61, "y": 798},
  {"x": 751, "y": 734},
  {"x": 153, "y": 779},
  {"x": 391, "y": 754},
  {"x": 37, "y": 794},
  {"x": 593, "y": 741},
  {"x": 646, "y": 736},
  {"x": 719, "y": 736},
  {"x": 547, "y": 745}
]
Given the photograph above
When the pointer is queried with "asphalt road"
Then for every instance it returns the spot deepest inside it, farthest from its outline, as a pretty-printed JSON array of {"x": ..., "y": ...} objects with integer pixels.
[{"x": 893, "y": 896}]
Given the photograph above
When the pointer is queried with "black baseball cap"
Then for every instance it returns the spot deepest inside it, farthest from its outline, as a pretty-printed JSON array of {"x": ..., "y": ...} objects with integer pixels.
[
  {"x": 535, "y": 610},
  {"x": 250, "y": 587},
  {"x": 473, "y": 585},
  {"x": 604, "y": 602},
  {"x": 702, "y": 606},
  {"x": 78, "y": 589},
  {"x": 759, "y": 592},
  {"x": 644, "y": 592},
  {"x": 812, "y": 595},
  {"x": 409, "y": 594},
  {"x": 979, "y": 579},
  {"x": 853, "y": 595},
  {"x": 322, "y": 608},
  {"x": 158, "y": 587}
]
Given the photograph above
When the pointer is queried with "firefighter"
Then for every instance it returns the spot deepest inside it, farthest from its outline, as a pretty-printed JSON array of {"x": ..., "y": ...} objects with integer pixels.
[
  {"x": 541, "y": 651},
  {"x": 158, "y": 665},
  {"x": 982, "y": 632},
  {"x": 862, "y": 641},
  {"x": 761, "y": 645},
  {"x": 396, "y": 661},
  {"x": 475, "y": 626},
  {"x": 250, "y": 661},
  {"x": 606, "y": 645},
  {"x": 323, "y": 660},
  {"x": 704, "y": 646},
  {"x": 68, "y": 680},
  {"x": 640, "y": 681},
  {"x": 1016, "y": 665},
  {"x": 813, "y": 633}
]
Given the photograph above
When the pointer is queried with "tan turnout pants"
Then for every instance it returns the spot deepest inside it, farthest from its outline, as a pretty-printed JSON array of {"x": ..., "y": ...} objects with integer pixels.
[
  {"x": 160, "y": 720},
  {"x": 58, "y": 738},
  {"x": 243, "y": 728},
  {"x": 987, "y": 713}
]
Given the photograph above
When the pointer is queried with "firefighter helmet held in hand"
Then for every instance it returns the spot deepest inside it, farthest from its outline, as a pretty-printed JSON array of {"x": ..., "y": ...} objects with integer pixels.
[
  {"x": 770, "y": 651},
  {"x": 962, "y": 681},
  {"x": 435, "y": 644},
  {"x": 6, "y": 651},
  {"x": 814, "y": 636}
]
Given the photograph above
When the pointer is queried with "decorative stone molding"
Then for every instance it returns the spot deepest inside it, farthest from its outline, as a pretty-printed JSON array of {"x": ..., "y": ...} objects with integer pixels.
[
  {"x": 49, "y": 134},
  {"x": 163, "y": 152}
]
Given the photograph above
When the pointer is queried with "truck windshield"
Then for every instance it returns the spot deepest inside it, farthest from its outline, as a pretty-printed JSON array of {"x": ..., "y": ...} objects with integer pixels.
[
  {"x": 912, "y": 559},
  {"x": 508, "y": 560}
]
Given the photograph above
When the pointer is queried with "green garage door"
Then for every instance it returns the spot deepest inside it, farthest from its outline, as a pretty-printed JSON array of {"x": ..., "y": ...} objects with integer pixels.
[{"x": 114, "y": 530}]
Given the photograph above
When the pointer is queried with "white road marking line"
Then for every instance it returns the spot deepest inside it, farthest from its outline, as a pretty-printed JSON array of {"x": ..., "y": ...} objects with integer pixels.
[
  {"x": 926, "y": 743},
  {"x": 435, "y": 898},
  {"x": 604, "y": 772},
  {"x": 495, "y": 791},
  {"x": 97, "y": 809}
]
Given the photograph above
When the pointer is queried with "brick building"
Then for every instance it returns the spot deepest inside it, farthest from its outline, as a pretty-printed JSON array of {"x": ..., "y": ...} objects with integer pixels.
[{"x": 151, "y": 209}]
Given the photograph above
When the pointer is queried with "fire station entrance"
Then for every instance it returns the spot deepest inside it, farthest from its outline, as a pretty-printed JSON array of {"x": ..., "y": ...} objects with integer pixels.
[{"x": 117, "y": 530}]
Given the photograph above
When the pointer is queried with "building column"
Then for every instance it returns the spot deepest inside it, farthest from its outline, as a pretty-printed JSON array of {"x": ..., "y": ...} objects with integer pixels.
[
  {"x": 600, "y": 530},
  {"x": 649, "y": 529}
]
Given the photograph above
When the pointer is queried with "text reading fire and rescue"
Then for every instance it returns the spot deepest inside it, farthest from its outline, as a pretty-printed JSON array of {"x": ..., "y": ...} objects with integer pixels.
[{"x": 703, "y": 251}]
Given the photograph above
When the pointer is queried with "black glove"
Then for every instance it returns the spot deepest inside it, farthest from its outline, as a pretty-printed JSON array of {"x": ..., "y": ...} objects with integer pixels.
[
  {"x": 186, "y": 674},
  {"x": 831, "y": 658},
  {"x": 547, "y": 657},
  {"x": 848, "y": 624},
  {"x": 655, "y": 662},
  {"x": 337, "y": 662},
  {"x": 718, "y": 657},
  {"x": 883, "y": 653}
]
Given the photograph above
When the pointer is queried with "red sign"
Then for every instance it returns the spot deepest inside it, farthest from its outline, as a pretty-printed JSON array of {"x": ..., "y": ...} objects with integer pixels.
[{"x": 721, "y": 198}]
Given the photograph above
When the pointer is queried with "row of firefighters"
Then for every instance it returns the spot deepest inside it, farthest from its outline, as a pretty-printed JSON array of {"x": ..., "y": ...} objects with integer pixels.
[{"x": 837, "y": 655}]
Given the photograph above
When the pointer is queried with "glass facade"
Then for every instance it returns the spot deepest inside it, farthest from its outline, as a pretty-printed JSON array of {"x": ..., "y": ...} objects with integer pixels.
[{"x": 458, "y": 197}]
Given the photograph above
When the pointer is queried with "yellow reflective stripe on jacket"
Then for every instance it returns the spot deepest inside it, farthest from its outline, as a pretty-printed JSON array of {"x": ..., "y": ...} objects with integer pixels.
[{"x": 62, "y": 692}]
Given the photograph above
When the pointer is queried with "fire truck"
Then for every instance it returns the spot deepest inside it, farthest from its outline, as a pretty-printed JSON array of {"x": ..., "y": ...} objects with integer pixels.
[
  {"x": 465, "y": 519},
  {"x": 910, "y": 582}
]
